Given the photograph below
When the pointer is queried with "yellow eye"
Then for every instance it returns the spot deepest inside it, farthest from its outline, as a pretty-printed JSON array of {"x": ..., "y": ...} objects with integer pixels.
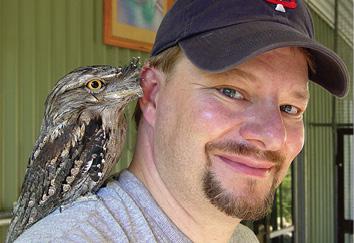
[{"x": 94, "y": 84}]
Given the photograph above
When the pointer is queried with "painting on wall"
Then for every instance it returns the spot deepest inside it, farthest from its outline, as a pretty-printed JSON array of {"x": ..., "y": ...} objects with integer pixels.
[{"x": 133, "y": 23}]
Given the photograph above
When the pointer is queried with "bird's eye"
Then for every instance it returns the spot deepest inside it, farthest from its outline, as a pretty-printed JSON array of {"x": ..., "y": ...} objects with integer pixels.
[{"x": 95, "y": 84}]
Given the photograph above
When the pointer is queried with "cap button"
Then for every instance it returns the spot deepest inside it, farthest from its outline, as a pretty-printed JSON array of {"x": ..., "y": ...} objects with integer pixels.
[{"x": 280, "y": 8}]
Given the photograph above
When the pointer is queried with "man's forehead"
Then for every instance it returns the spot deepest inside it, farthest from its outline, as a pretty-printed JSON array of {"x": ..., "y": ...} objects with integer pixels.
[
  {"x": 281, "y": 60},
  {"x": 285, "y": 53}
]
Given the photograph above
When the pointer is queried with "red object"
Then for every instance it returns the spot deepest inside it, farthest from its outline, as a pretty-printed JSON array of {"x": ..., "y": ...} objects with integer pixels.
[{"x": 286, "y": 3}]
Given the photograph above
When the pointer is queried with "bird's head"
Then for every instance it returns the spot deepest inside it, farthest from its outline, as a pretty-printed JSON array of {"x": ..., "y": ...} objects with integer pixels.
[{"x": 92, "y": 91}]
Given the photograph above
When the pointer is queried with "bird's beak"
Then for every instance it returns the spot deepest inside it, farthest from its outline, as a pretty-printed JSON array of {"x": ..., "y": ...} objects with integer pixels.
[
  {"x": 139, "y": 92},
  {"x": 126, "y": 92},
  {"x": 134, "y": 92}
]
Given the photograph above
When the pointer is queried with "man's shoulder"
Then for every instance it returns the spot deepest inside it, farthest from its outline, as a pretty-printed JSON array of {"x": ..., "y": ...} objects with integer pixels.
[
  {"x": 100, "y": 217},
  {"x": 122, "y": 211},
  {"x": 243, "y": 234},
  {"x": 87, "y": 218}
]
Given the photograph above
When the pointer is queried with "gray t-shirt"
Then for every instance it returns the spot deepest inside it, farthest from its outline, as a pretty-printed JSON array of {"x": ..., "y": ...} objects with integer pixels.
[{"x": 123, "y": 211}]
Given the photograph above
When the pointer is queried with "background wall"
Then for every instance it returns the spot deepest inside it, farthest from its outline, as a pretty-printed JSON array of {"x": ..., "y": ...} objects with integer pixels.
[{"x": 320, "y": 121}]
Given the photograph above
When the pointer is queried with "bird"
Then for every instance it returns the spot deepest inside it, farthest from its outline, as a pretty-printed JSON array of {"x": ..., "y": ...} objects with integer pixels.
[{"x": 81, "y": 137}]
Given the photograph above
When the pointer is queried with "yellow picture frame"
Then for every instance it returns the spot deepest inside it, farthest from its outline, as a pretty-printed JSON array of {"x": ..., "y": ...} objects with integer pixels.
[{"x": 132, "y": 26}]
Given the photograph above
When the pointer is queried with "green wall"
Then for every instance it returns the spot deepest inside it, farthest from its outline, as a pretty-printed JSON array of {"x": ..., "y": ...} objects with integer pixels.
[
  {"x": 40, "y": 41},
  {"x": 318, "y": 150}
]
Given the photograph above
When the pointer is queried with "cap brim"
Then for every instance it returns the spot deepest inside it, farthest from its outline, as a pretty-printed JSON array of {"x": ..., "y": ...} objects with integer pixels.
[{"x": 221, "y": 49}]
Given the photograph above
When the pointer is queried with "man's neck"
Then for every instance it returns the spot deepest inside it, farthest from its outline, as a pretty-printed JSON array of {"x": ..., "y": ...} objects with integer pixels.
[{"x": 199, "y": 222}]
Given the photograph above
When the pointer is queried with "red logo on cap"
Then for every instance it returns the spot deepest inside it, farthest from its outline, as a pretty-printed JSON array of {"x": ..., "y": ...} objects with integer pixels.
[{"x": 285, "y": 3}]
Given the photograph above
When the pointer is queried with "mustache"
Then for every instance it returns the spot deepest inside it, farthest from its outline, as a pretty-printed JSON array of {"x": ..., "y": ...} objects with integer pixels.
[{"x": 246, "y": 150}]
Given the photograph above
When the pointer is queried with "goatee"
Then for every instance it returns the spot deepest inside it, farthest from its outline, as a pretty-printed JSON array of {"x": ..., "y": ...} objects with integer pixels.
[
  {"x": 241, "y": 207},
  {"x": 238, "y": 207}
]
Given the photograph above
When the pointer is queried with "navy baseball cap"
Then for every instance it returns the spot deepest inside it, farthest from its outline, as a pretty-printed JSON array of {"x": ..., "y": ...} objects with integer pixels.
[{"x": 216, "y": 35}]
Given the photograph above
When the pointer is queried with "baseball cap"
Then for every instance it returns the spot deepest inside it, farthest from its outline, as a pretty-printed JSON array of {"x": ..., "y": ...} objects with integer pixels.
[{"x": 217, "y": 35}]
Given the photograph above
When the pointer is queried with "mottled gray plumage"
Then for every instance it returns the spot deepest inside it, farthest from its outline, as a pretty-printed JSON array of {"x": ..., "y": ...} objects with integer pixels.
[{"x": 81, "y": 138}]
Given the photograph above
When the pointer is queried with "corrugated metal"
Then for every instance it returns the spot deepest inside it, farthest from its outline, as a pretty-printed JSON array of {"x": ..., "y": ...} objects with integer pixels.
[
  {"x": 41, "y": 40},
  {"x": 344, "y": 107},
  {"x": 318, "y": 150},
  {"x": 325, "y": 9}
]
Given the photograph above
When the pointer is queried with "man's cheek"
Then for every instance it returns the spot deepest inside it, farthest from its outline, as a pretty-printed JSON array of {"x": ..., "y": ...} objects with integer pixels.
[
  {"x": 211, "y": 116},
  {"x": 295, "y": 141}
]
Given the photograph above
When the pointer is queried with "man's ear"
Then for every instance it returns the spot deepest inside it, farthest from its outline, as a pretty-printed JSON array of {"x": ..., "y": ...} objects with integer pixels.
[{"x": 150, "y": 82}]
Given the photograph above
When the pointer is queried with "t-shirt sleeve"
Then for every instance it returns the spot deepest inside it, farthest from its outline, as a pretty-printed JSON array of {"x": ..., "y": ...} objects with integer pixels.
[
  {"x": 87, "y": 221},
  {"x": 243, "y": 234}
]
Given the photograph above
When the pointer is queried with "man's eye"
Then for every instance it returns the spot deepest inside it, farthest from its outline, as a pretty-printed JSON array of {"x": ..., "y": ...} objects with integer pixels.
[
  {"x": 231, "y": 93},
  {"x": 291, "y": 110}
]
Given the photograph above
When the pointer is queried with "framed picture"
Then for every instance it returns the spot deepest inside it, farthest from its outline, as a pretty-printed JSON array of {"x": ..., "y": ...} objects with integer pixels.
[{"x": 133, "y": 23}]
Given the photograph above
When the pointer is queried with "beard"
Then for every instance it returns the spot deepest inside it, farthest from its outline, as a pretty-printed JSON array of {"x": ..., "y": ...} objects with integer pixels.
[{"x": 251, "y": 206}]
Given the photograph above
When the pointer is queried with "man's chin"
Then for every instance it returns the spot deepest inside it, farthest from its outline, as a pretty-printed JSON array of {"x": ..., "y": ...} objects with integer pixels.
[{"x": 243, "y": 203}]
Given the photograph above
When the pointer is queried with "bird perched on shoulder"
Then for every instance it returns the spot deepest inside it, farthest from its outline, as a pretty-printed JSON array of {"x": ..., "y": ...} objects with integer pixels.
[{"x": 81, "y": 137}]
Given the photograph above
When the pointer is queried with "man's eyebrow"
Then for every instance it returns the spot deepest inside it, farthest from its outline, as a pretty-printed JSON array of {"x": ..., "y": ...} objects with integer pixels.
[
  {"x": 301, "y": 95},
  {"x": 236, "y": 71}
]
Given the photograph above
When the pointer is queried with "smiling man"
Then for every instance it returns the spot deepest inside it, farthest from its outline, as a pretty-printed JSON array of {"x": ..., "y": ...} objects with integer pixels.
[
  {"x": 220, "y": 122},
  {"x": 213, "y": 147},
  {"x": 222, "y": 114}
]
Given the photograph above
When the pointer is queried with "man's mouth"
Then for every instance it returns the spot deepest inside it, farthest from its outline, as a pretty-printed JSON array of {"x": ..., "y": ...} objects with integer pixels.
[{"x": 247, "y": 166}]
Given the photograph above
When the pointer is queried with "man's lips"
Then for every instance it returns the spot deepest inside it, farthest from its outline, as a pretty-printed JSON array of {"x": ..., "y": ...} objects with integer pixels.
[{"x": 247, "y": 166}]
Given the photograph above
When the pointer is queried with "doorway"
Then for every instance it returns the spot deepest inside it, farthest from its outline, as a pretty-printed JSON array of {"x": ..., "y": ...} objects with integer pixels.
[{"x": 345, "y": 183}]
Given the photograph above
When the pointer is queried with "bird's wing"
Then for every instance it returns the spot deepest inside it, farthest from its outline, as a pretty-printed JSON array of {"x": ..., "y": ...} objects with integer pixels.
[{"x": 60, "y": 169}]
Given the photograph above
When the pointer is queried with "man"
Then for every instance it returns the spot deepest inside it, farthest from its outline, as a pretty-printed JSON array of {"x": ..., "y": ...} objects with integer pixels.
[{"x": 221, "y": 121}]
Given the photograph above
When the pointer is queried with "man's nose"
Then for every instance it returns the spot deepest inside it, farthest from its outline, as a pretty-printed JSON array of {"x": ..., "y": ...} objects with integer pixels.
[{"x": 264, "y": 128}]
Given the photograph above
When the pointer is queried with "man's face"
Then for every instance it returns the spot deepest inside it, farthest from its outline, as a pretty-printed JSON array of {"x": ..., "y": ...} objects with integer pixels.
[{"x": 228, "y": 139}]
